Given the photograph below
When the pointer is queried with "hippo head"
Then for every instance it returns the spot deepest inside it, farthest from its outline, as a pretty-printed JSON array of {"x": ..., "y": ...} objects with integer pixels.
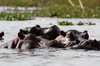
[
  {"x": 28, "y": 41},
  {"x": 85, "y": 35},
  {"x": 36, "y": 30},
  {"x": 52, "y": 32},
  {"x": 88, "y": 44},
  {"x": 63, "y": 40},
  {"x": 71, "y": 36},
  {"x": 1, "y": 35},
  {"x": 81, "y": 35}
]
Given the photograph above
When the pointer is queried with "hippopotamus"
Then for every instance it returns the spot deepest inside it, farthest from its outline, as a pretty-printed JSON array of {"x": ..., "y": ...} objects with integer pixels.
[
  {"x": 62, "y": 40},
  {"x": 36, "y": 30},
  {"x": 69, "y": 39},
  {"x": 81, "y": 35},
  {"x": 28, "y": 41},
  {"x": 47, "y": 32},
  {"x": 13, "y": 43},
  {"x": 52, "y": 32},
  {"x": 1, "y": 35},
  {"x": 31, "y": 40},
  {"x": 88, "y": 45}
]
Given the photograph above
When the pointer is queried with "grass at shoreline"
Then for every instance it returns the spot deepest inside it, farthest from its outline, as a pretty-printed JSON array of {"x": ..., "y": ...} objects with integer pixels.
[
  {"x": 47, "y": 3},
  {"x": 51, "y": 8},
  {"x": 22, "y": 3},
  {"x": 53, "y": 11},
  {"x": 68, "y": 12}
]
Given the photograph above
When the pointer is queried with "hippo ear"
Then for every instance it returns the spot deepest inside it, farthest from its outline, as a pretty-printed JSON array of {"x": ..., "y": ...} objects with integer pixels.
[
  {"x": 38, "y": 26},
  {"x": 62, "y": 33},
  {"x": 1, "y": 34},
  {"x": 85, "y": 31},
  {"x": 95, "y": 41},
  {"x": 86, "y": 35},
  {"x": 21, "y": 36}
]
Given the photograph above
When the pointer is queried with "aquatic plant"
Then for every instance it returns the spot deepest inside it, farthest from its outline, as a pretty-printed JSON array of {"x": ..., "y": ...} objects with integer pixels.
[
  {"x": 90, "y": 23},
  {"x": 65, "y": 23},
  {"x": 80, "y": 23},
  {"x": 72, "y": 23}
]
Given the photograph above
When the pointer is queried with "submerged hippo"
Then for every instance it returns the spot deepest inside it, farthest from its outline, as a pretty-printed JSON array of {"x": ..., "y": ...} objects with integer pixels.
[
  {"x": 69, "y": 39},
  {"x": 36, "y": 30},
  {"x": 28, "y": 41},
  {"x": 13, "y": 43},
  {"x": 81, "y": 35},
  {"x": 1, "y": 35},
  {"x": 47, "y": 32},
  {"x": 88, "y": 45},
  {"x": 62, "y": 40},
  {"x": 52, "y": 32}
]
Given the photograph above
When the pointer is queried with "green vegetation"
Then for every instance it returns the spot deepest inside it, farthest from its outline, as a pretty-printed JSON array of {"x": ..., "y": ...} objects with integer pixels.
[
  {"x": 24, "y": 3},
  {"x": 68, "y": 12},
  {"x": 15, "y": 16},
  {"x": 53, "y": 11},
  {"x": 90, "y": 23},
  {"x": 71, "y": 23},
  {"x": 65, "y": 23},
  {"x": 52, "y": 8},
  {"x": 47, "y": 3},
  {"x": 80, "y": 23}
]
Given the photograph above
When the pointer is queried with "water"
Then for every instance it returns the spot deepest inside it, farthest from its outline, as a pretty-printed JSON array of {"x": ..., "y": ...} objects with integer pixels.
[{"x": 48, "y": 56}]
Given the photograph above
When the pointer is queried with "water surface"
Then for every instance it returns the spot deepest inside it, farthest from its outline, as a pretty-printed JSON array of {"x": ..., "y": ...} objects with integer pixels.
[{"x": 49, "y": 56}]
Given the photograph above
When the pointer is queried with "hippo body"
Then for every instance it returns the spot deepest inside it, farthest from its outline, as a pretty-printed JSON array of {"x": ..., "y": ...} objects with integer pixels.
[
  {"x": 88, "y": 45},
  {"x": 12, "y": 44}
]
